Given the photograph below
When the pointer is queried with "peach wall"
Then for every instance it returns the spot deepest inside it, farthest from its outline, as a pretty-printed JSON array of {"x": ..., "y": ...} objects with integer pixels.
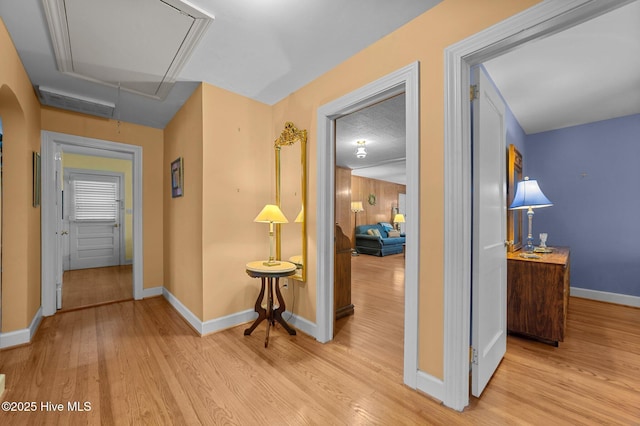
[
  {"x": 151, "y": 141},
  {"x": 20, "y": 112},
  {"x": 183, "y": 215},
  {"x": 423, "y": 39},
  {"x": 239, "y": 179}
]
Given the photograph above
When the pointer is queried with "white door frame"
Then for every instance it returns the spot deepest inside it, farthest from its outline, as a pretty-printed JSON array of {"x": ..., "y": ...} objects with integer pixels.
[
  {"x": 50, "y": 251},
  {"x": 404, "y": 80},
  {"x": 543, "y": 19}
]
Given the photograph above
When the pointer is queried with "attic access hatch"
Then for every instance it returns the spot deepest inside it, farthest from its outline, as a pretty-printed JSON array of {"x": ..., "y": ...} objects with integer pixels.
[{"x": 139, "y": 46}]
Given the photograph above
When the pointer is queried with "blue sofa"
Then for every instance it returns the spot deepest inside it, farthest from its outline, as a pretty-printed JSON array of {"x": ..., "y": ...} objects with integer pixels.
[{"x": 382, "y": 245}]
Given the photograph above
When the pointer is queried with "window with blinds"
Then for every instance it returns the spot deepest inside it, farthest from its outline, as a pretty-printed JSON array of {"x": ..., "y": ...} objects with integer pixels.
[{"x": 95, "y": 200}]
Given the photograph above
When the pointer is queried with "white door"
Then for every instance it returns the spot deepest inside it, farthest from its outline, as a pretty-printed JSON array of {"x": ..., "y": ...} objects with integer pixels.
[
  {"x": 489, "y": 272},
  {"x": 94, "y": 220}
]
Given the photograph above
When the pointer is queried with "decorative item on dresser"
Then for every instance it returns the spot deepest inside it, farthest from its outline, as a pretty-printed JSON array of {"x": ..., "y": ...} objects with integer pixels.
[{"x": 538, "y": 295}]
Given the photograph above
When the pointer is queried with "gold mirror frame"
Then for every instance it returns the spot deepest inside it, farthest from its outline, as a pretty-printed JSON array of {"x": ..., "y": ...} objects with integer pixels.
[
  {"x": 514, "y": 217},
  {"x": 289, "y": 137}
]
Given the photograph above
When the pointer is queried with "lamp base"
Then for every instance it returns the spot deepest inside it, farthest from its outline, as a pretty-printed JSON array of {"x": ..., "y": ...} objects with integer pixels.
[
  {"x": 529, "y": 247},
  {"x": 271, "y": 263}
]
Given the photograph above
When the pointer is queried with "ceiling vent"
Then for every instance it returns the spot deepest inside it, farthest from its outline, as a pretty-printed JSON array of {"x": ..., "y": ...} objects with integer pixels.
[
  {"x": 59, "y": 99},
  {"x": 139, "y": 46}
]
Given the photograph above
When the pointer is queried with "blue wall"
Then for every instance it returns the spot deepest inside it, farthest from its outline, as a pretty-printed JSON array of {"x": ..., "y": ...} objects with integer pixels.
[{"x": 592, "y": 175}]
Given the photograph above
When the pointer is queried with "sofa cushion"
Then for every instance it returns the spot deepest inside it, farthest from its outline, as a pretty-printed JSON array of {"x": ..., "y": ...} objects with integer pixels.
[
  {"x": 386, "y": 226},
  {"x": 374, "y": 232}
]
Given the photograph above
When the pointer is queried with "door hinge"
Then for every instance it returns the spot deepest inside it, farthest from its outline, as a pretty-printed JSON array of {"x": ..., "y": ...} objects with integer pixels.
[
  {"x": 473, "y": 92},
  {"x": 474, "y": 356}
]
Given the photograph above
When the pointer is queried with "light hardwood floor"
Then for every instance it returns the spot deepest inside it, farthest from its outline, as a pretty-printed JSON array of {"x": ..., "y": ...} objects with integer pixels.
[
  {"x": 95, "y": 286},
  {"x": 140, "y": 363}
]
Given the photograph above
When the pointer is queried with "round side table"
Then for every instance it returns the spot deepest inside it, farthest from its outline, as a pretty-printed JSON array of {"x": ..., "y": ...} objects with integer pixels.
[{"x": 268, "y": 274}]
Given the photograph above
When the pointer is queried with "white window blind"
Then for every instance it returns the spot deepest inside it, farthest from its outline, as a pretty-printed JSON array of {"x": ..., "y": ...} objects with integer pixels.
[{"x": 95, "y": 200}]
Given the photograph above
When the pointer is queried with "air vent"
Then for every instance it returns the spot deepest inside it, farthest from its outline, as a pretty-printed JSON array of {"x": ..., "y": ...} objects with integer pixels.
[{"x": 59, "y": 99}]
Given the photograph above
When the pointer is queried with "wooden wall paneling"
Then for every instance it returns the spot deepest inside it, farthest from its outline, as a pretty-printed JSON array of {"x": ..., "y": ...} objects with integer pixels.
[{"x": 386, "y": 194}]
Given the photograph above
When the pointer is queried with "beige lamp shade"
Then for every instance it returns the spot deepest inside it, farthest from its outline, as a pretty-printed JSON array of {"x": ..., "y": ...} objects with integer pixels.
[
  {"x": 271, "y": 214},
  {"x": 300, "y": 217},
  {"x": 399, "y": 218},
  {"x": 356, "y": 206}
]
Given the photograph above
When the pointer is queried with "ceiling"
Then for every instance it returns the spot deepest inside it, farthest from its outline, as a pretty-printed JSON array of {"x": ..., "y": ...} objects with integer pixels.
[
  {"x": 587, "y": 73},
  {"x": 267, "y": 50},
  {"x": 264, "y": 50}
]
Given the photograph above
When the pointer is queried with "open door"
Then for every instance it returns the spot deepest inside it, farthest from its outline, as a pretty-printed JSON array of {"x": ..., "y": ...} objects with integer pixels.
[{"x": 489, "y": 272}]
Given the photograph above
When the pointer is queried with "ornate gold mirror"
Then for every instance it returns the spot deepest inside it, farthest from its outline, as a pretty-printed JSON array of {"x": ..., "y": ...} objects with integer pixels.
[
  {"x": 291, "y": 197},
  {"x": 514, "y": 217}
]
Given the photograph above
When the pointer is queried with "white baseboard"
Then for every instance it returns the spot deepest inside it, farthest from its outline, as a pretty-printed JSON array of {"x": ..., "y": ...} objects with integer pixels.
[
  {"x": 183, "y": 310},
  {"x": 301, "y": 323},
  {"x": 152, "y": 292},
  {"x": 21, "y": 337},
  {"x": 232, "y": 320},
  {"x": 210, "y": 326},
  {"x": 604, "y": 296},
  {"x": 430, "y": 385}
]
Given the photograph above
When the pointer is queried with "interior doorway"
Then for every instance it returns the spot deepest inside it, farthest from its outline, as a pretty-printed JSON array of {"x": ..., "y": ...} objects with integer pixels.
[
  {"x": 53, "y": 146},
  {"x": 539, "y": 21},
  {"x": 374, "y": 182},
  {"x": 404, "y": 80},
  {"x": 97, "y": 237}
]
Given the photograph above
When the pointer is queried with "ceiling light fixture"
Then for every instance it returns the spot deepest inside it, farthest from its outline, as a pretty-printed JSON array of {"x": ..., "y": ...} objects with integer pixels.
[{"x": 361, "y": 152}]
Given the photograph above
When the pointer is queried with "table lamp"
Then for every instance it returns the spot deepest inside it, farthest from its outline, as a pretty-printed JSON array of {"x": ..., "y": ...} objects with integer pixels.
[
  {"x": 529, "y": 196},
  {"x": 271, "y": 214},
  {"x": 398, "y": 218}
]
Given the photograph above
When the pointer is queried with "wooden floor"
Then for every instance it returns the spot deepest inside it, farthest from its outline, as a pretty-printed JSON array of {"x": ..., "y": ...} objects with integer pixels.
[
  {"x": 95, "y": 286},
  {"x": 138, "y": 362}
]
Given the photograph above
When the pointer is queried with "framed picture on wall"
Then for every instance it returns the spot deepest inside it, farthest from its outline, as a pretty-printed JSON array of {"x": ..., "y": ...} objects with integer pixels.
[
  {"x": 36, "y": 179},
  {"x": 177, "y": 178}
]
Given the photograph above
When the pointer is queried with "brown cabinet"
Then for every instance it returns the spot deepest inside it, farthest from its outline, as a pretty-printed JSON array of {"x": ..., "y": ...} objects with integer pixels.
[
  {"x": 538, "y": 295},
  {"x": 342, "y": 276}
]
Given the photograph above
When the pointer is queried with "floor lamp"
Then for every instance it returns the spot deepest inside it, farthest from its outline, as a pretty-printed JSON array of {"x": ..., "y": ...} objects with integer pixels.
[{"x": 356, "y": 207}]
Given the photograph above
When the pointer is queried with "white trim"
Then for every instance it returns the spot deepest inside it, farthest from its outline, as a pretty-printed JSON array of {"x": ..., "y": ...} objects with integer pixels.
[
  {"x": 50, "y": 140},
  {"x": 605, "y": 296},
  {"x": 431, "y": 385},
  {"x": 403, "y": 80},
  {"x": 193, "y": 320},
  {"x": 21, "y": 337},
  {"x": 541, "y": 20},
  {"x": 301, "y": 323},
  {"x": 222, "y": 323},
  {"x": 152, "y": 292},
  {"x": 210, "y": 326}
]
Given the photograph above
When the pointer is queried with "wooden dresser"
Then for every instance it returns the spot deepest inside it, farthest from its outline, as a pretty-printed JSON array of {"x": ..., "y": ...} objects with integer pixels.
[
  {"x": 538, "y": 295},
  {"x": 342, "y": 277}
]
